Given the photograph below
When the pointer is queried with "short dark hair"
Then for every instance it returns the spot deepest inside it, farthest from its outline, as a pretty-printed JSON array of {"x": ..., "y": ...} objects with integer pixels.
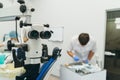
[
  {"x": 83, "y": 38},
  {"x": 1, "y": 5}
]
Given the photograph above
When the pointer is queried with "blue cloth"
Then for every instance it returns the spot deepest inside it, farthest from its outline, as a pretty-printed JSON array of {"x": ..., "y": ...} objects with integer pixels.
[
  {"x": 12, "y": 34},
  {"x": 76, "y": 58},
  {"x": 2, "y": 58}
]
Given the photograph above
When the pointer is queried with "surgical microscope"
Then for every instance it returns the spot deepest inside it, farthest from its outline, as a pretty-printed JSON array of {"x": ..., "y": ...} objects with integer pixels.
[{"x": 33, "y": 52}]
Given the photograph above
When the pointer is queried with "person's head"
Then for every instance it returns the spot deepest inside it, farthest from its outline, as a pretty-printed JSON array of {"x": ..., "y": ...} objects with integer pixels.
[
  {"x": 1, "y": 5},
  {"x": 13, "y": 35},
  {"x": 83, "y": 38}
]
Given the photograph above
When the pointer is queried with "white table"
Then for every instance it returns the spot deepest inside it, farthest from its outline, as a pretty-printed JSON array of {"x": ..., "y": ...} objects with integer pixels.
[{"x": 67, "y": 74}]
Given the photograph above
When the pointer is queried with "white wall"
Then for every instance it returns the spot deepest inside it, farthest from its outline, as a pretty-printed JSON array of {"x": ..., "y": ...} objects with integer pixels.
[
  {"x": 76, "y": 16},
  {"x": 7, "y": 26}
]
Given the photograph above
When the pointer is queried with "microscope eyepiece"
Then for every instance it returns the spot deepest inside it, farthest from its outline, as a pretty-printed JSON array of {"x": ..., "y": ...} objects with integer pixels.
[{"x": 33, "y": 34}]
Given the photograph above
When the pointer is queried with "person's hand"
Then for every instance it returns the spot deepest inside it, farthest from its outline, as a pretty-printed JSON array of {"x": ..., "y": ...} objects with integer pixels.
[
  {"x": 86, "y": 61},
  {"x": 76, "y": 58}
]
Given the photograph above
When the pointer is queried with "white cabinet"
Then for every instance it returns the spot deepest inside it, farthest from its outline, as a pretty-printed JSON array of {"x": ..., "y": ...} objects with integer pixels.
[{"x": 67, "y": 74}]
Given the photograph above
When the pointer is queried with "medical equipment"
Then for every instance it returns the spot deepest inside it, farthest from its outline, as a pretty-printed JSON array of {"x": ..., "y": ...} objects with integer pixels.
[
  {"x": 83, "y": 68},
  {"x": 80, "y": 72},
  {"x": 1, "y": 5},
  {"x": 33, "y": 51},
  {"x": 47, "y": 65}
]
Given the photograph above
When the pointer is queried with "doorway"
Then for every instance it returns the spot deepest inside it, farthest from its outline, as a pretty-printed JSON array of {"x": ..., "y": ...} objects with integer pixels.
[{"x": 112, "y": 45}]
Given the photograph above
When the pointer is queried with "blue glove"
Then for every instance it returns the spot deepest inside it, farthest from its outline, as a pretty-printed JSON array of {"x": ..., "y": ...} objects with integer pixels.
[
  {"x": 76, "y": 58},
  {"x": 86, "y": 61}
]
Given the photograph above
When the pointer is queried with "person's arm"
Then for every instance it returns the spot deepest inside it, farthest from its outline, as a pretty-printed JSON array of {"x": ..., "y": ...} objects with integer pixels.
[
  {"x": 1, "y": 45},
  {"x": 91, "y": 53},
  {"x": 70, "y": 53},
  {"x": 25, "y": 39},
  {"x": 76, "y": 58},
  {"x": 23, "y": 35}
]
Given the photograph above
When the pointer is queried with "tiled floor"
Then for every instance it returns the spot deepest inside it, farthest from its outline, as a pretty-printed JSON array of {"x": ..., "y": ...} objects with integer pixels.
[{"x": 52, "y": 77}]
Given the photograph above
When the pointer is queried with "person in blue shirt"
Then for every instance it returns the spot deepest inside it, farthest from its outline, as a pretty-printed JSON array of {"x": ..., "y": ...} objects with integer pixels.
[{"x": 12, "y": 36}]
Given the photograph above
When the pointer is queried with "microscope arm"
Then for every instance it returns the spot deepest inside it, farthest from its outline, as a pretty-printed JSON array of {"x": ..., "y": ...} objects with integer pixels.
[
  {"x": 47, "y": 65},
  {"x": 45, "y": 68}
]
